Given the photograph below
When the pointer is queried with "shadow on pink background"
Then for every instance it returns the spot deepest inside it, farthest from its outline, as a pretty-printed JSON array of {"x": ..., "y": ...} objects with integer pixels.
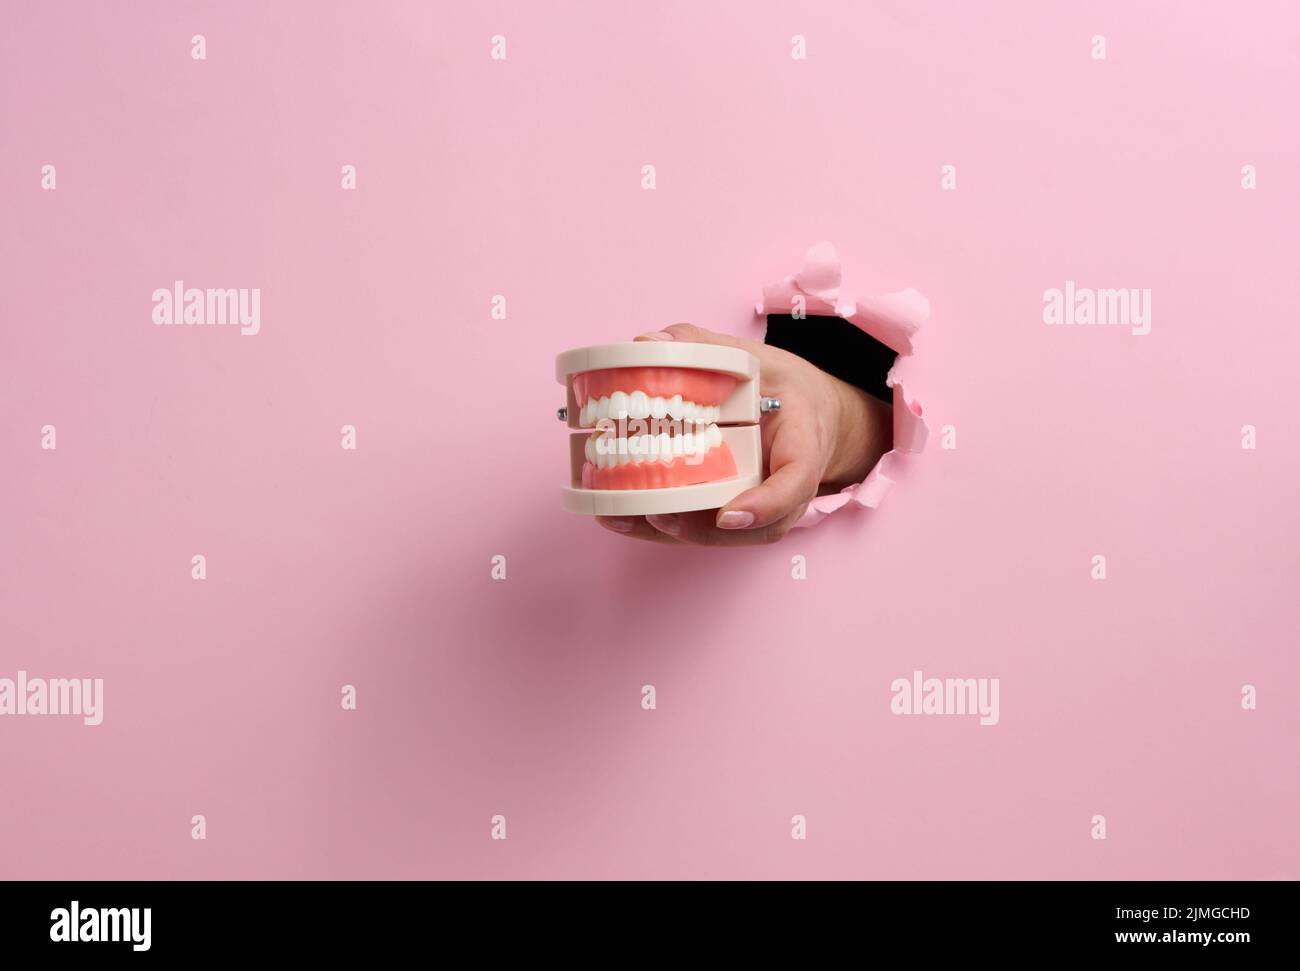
[{"x": 522, "y": 698}]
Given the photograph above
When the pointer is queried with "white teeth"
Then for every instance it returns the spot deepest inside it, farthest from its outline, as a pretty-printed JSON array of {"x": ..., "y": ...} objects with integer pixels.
[
  {"x": 608, "y": 451},
  {"x": 618, "y": 405},
  {"x": 638, "y": 405}
]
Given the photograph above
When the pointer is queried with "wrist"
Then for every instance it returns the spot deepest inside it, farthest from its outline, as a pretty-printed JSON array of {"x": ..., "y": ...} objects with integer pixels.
[{"x": 864, "y": 431}]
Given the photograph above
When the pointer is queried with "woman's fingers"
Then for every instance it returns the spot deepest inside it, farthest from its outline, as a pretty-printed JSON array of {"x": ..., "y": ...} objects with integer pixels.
[
  {"x": 698, "y": 335},
  {"x": 689, "y": 333},
  {"x": 635, "y": 527},
  {"x": 698, "y": 529}
]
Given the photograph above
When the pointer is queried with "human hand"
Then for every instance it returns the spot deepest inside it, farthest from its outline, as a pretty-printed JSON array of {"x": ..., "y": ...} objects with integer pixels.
[{"x": 828, "y": 434}]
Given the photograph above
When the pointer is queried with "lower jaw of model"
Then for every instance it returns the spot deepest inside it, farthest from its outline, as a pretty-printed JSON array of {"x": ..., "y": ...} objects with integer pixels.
[
  {"x": 657, "y": 461},
  {"x": 656, "y": 427}
]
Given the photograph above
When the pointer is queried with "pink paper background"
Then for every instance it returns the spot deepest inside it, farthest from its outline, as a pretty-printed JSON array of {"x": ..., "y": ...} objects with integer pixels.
[{"x": 478, "y": 697}]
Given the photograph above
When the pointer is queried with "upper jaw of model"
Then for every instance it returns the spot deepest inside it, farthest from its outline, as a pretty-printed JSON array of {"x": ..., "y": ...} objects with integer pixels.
[
  {"x": 639, "y": 405},
  {"x": 680, "y": 394}
]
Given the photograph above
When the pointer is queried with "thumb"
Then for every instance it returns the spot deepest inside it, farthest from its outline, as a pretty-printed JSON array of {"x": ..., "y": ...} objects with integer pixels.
[{"x": 784, "y": 491}]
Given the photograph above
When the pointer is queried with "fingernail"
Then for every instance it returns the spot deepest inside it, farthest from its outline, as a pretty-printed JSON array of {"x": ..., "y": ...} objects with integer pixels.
[
  {"x": 665, "y": 524},
  {"x": 618, "y": 525},
  {"x": 659, "y": 335},
  {"x": 735, "y": 520}
]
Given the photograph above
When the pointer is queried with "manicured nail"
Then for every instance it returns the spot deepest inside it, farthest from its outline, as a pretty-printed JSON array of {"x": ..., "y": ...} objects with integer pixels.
[
  {"x": 618, "y": 525},
  {"x": 665, "y": 524},
  {"x": 659, "y": 335},
  {"x": 735, "y": 520}
]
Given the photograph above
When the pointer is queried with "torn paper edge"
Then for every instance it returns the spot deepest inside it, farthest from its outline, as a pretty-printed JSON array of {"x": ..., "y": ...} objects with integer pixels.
[{"x": 891, "y": 318}]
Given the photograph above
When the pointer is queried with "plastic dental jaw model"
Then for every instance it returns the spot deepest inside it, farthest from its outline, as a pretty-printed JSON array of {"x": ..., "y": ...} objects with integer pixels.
[{"x": 662, "y": 426}]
